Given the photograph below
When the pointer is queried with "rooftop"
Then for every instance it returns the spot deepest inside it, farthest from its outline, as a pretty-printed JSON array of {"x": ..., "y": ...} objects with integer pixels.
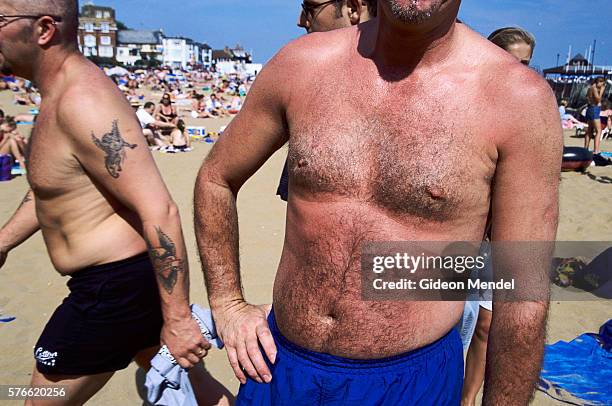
[{"x": 139, "y": 37}]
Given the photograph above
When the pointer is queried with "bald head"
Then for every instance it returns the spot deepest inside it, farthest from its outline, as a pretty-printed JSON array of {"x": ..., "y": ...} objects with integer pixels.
[{"x": 67, "y": 10}]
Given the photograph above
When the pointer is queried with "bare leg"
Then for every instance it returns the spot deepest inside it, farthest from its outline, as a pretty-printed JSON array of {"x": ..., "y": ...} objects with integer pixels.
[
  {"x": 208, "y": 390},
  {"x": 78, "y": 388},
  {"x": 17, "y": 153},
  {"x": 587, "y": 136},
  {"x": 597, "y": 136},
  {"x": 476, "y": 359}
]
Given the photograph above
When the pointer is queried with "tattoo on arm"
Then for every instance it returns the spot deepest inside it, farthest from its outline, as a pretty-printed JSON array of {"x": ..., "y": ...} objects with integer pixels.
[
  {"x": 165, "y": 262},
  {"x": 114, "y": 146},
  {"x": 27, "y": 198}
]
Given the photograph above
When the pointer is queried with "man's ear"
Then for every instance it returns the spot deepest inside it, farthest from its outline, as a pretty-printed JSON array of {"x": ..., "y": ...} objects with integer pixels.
[
  {"x": 354, "y": 11},
  {"x": 46, "y": 29}
]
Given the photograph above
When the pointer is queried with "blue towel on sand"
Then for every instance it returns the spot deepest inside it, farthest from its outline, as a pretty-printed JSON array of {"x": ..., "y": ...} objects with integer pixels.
[
  {"x": 167, "y": 382},
  {"x": 580, "y": 372}
]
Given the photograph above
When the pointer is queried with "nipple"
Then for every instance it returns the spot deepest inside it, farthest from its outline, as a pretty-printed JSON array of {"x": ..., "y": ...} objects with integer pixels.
[{"x": 436, "y": 192}]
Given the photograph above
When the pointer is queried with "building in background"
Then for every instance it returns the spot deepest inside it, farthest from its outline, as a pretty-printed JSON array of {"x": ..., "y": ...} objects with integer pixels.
[
  {"x": 180, "y": 52},
  {"x": 206, "y": 55},
  {"x": 101, "y": 40},
  {"x": 140, "y": 47},
  {"x": 97, "y": 31},
  {"x": 236, "y": 55}
]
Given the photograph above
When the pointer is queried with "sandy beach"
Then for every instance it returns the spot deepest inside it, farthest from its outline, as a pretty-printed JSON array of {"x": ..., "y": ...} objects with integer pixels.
[{"x": 30, "y": 289}]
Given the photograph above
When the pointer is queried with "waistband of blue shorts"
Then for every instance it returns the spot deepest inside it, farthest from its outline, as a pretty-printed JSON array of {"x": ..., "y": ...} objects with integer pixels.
[{"x": 451, "y": 342}]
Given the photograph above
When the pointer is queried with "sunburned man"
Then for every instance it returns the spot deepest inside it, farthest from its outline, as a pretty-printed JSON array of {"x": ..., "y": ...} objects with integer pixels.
[{"x": 399, "y": 129}]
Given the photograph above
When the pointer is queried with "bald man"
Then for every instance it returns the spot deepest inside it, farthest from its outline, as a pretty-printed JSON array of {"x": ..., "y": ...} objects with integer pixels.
[{"x": 117, "y": 237}]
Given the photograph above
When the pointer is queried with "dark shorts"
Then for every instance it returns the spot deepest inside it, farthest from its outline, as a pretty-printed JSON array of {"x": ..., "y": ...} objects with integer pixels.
[
  {"x": 593, "y": 113},
  {"x": 113, "y": 311},
  {"x": 431, "y": 375}
]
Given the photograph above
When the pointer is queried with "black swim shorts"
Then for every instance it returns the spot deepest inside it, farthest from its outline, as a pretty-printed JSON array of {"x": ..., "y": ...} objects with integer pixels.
[{"x": 112, "y": 312}]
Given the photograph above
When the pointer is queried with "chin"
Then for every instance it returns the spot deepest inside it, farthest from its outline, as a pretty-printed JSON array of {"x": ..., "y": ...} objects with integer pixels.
[{"x": 415, "y": 11}]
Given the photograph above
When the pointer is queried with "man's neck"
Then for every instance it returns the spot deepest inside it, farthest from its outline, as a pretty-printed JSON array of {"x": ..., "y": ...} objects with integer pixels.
[
  {"x": 50, "y": 68},
  {"x": 401, "y": 45}
]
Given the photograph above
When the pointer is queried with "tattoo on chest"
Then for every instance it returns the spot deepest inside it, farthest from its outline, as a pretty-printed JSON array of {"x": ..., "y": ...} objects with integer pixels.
[
  {"x": 165, "y": 262},
  {"x": 114, "y": 147}
]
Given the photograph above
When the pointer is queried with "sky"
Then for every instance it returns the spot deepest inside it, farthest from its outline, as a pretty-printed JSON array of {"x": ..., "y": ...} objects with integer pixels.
[{"x": 264, "y": 26}]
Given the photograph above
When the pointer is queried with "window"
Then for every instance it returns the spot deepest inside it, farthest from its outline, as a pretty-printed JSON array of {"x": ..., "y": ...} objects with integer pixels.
[
  {"x": 90, "y": 41},
  {"x": 107, "y": 14},
  {"x": 106, "y": 52},
  {"x": 89, "y": 27},
  {"x": 105, "y": 27},
  {"x": 98, "y": 14},
  {"x": 105, "y": 40},
  {"x": 134, "y": 52}
]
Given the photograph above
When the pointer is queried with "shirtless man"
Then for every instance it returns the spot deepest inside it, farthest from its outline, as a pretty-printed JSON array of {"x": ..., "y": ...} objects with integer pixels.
[
  {"x": 594, "y": 96},
  {"x": 394, "y": 135},
  {"x": 87, "y": 164},
  {"x": 322, "y": 16}
]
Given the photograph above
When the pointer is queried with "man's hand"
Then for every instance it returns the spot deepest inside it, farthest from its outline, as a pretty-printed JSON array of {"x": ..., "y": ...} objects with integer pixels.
[
  {"x": 243, "y": 328},
  {"x": 185, "y": 342}
]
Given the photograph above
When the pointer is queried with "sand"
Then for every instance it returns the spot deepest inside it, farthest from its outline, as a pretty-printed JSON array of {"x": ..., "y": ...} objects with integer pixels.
[{"x": 30, "y": 289}]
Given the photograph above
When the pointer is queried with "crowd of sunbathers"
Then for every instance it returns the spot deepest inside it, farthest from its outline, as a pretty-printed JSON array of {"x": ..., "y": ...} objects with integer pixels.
[
  {"x": 12, "y": 142},
  {"x": 199, "y": 94}
]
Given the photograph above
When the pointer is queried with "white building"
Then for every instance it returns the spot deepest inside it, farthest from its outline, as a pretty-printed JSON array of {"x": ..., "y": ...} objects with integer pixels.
[
  {"x": 181, "y": 52},
  {"x": 206, "y": 55},
  {"x": 139, "y": 45}
]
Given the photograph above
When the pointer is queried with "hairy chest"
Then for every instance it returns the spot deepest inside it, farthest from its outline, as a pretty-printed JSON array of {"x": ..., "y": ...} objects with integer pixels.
[{"x": 422, "y": 160}]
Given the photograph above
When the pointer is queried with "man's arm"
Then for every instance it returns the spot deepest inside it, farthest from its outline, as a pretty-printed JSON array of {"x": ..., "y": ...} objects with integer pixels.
[
  {"x": 109, "y": 143},
  {"x": 252, "y": 137},
  {"x": 20, "y": 227},
  {"x": 598, "y": 94},
  {"x": 525, "y": 209}
]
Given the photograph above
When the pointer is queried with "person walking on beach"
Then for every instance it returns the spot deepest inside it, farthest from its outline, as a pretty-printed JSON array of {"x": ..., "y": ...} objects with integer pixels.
[
  {"x": 593, "y": 113},
  {"x": 356, "y": 107},
  {"x": 320, "y": 16},
  {"x": 118, "y": 237}
]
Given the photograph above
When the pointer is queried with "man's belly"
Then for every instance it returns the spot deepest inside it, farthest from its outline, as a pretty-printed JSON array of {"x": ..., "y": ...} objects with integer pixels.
[
  {"x": 74, "y": 248},
  {"x": 318, "y": 300}
]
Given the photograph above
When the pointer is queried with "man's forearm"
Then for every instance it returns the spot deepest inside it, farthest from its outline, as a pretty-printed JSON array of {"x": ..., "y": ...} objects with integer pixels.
[
  {"x": 21, "y": 225},
  {"x": 169, "y": 258},
  {"x": 515, "y": 352},
  {"x": 216, "y": 226}
]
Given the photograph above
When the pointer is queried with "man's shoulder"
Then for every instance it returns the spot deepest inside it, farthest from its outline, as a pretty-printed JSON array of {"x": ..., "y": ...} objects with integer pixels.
[
  {"x": 315, "y": 49},
  {"x": 89, "y": 96}
]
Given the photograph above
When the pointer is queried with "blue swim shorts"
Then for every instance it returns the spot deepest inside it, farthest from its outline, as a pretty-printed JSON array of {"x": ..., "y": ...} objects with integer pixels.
[
  {"x": 431, "y": 375},
  {"x": 593, "y": 113}
]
